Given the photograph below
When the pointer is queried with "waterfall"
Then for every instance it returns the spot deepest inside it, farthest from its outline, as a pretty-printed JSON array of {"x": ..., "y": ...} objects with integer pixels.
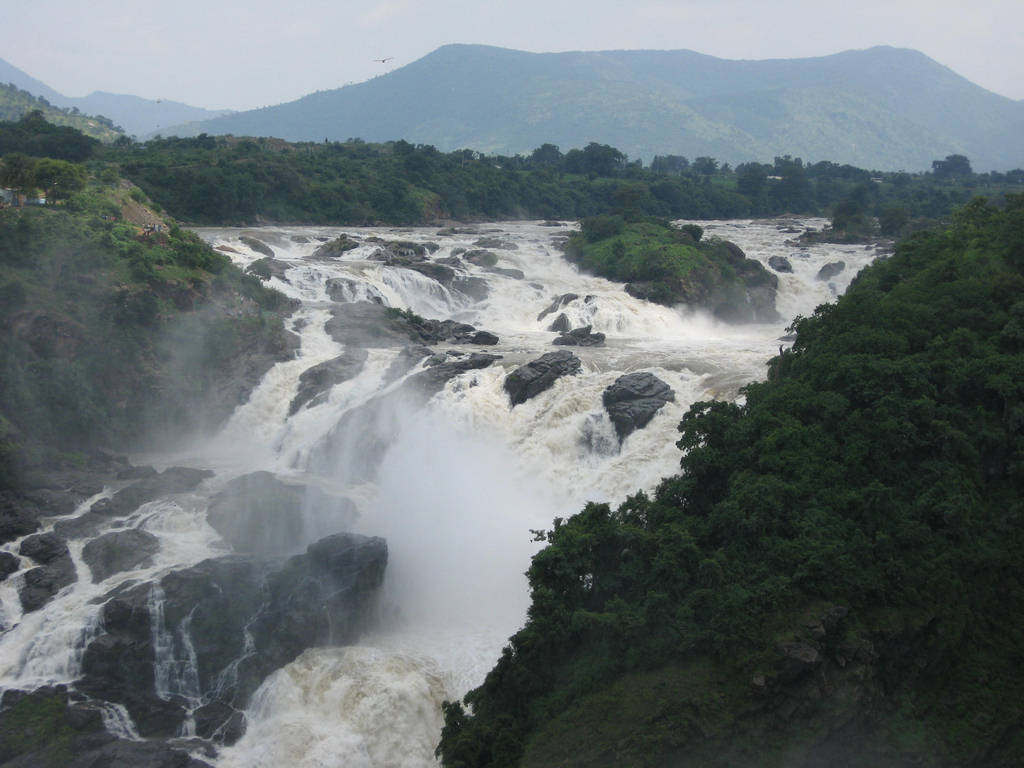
[{"x": 454, "y": 482}]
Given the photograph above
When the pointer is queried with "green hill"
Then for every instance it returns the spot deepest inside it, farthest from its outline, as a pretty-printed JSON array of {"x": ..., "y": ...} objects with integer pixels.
[
  {"x": 835, "y": 578},
  {"x": 16, "y": 103},
  {"x": 883, "y": 108}
]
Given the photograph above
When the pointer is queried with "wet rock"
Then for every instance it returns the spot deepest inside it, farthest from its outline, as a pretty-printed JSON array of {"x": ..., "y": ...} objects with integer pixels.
[
  {"x": 474, "y": 287},
  {"x": 57, "y": 503},
  {"x": 347, "y": 290},
  {"x": 581, "y": 337},
  {"x": 137, "y": 473},
  {"x": 481, "y": 258},
  {"x": 18, "y": 516},
  {"x": 261, "y": 514},
  {"x": 557, "y": 304},
  {"x": 42, "y": 583},
  {"x": 433, "y": 379},
  {"x": 560, "y": 324},
  {"x": 439, "y": 272},
  {"x": 267, "y": 268},
  {"x": 319, "y": 379},
  {"x": 780, "y": 264},
  {"x": 830, "y": 270},
  {"x": 239, "y": 618},
  {"x": 9, "y": 564},
  {"x": 119, "y": 551},
  {"x": 533, "y": 378},
  {"x": 515, "y": 274},
  {"x": 44, "y": 548},
  {"x": 81, "y": 527},
  {"x": 484, "y": 337},
  {"x": 368, "y": 325},
  {"x": 170, "y": 481},
  {"x": 335, "y": 247},
  {"x": 219, "y": 722},
  {"x": 257, "y": 245},
  {"x": 496, "y": 243},
  {"x": 633, "y": 399}
]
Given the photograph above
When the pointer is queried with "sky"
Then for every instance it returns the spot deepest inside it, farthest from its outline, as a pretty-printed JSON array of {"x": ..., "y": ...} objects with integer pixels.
[{"x": 242, "y": 55}]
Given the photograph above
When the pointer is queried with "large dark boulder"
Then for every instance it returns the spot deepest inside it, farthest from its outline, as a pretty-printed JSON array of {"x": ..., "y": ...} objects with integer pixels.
[
  {"x": 830, "y": 270},
  {"x": 8, "y": 564},
  {"x": 211, "y": 633},
  {"x": 257, "y": 245},
  {"x": 335, "y": 247},
  {"x": 474, "y": 287},
  {"x": 533, "y": 378},
  {"x": 633, "y": 399},
  {"x": 557, "y": 303},
  {"x": 580, "y": 337},
  {"x": 346, "y": 290},
  {"x": 262, "y": 514},
  {"x": 18, "y": 516},
  {"x": 119, "y": 551},
  {"x": 55, "y": 572},
  {"x": 780, "y": 264},
  {"x": 316, "y": 381}
]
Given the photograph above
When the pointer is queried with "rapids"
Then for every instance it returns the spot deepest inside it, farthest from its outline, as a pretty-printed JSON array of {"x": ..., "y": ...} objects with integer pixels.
[{"x": 463, "y": 480}]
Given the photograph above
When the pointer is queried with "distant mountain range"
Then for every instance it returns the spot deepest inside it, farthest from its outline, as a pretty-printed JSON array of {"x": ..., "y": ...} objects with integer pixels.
[
  {"x": 136, "y": 115},
  {"x": 883, "y": 108}
]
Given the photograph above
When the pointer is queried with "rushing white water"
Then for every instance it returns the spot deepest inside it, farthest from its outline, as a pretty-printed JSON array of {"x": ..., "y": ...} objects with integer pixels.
[{"x": 461, "y": 484}]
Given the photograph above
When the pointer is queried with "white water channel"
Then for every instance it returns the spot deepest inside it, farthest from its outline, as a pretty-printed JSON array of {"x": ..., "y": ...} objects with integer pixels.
[{"x": 459, "y": 489}]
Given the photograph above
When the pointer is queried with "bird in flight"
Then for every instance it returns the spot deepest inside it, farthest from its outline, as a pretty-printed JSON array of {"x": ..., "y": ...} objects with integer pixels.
[{"x": 386, "y": 60}]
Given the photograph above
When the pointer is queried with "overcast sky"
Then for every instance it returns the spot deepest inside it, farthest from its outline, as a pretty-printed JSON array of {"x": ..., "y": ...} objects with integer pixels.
[{"x": 240, "y": 55}]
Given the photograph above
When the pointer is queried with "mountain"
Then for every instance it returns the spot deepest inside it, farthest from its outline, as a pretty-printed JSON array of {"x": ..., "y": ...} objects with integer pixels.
[
  {"x": 884, "y": 108},
  {"x": 136, "y": 115}
]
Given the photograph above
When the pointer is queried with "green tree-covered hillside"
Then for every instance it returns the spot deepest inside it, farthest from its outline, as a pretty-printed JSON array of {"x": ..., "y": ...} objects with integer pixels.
[{"x": 834, "y": 578}]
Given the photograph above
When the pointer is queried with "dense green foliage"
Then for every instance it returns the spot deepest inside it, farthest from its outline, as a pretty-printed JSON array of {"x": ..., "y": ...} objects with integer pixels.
[
  {"x": 109, "y": 330},
  {"x": 33, "y": 135},
  {"x": 16, "y": 104},
  {"x": 879, "y": 468},
  {"x": 225, "y": 180},
  {"x": 671, "y": 266}
]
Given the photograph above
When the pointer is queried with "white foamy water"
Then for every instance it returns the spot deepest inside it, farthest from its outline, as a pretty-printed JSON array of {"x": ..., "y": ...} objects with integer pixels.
[{"x": 461, "y": 484}]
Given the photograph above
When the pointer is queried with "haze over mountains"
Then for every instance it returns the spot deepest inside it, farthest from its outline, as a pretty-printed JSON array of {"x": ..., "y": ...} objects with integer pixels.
[
  {"x": 136, "y": 115},
  {"x": 882, "y": 108}
]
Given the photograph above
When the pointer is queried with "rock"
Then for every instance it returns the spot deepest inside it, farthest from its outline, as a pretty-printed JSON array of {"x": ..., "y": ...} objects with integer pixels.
[
  {"x": 515, "y": 274},
  {"x": 481, "y": 258},
  {"x": 58, "y": 503},
  {"x": 42, "y": 583},
  {"x": 299, "y": 239},
  {"x": 557, "y": 304},
  {"x": 496, "y": 243},
  {"x": 347, "y": 290},
  {"x": 484, "y": 337},
  {"x": 119, "y": 551},
  {"x": 560, "y": 324},
  {"x": 261, "y": 514},
  {"x": 18, "y": 516},
  {"x": 533, "y": 378},
  {"x": 439, "y": 272},
  {"x": 474, "y": 287},
  {"x": 335, "y": 247},
  {"x": 9, "y": 564},
  {"x": 82, "y": 526},
  {"x": 319, "y": 379},
  {"x": 368, "y": 325},
  {"x": 633, "y": 399},
  {"x": 219, "y": 722},
  {"x": 581, "y": 337},
  {"x": 257, "y": 245},
  {"x": 171, "y": 480},
  {"x": 137, "y": 473},
  {"x": 830, "y": 270},
  {"x": 780, "y": 264},
  {"x": 433, "y": 379},
  {"x": 44, "y": 548},
  {"x": 238, "y": 618}
]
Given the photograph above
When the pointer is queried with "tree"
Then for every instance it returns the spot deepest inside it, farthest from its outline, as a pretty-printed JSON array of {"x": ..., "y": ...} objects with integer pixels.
[
  {"x": 952, "y": 166},
  {"x": 705, "y": 166},
  {"x": 58, "y": 178},
  {"x": 546, "y": 156},
  {"x": 17, "y": 173},
  {"x": 669, "y": 164}
]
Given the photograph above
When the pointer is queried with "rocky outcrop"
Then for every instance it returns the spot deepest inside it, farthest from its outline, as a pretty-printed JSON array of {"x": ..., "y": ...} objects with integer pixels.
[
  {"x": 515, "y": 274},
  {"x": 261, "y": 514},
  {"x": 9, "y": 564},
  {"x": 56, "y": 570},
  {"x": 335, "y": 247},
  {"x": 346, "y": 290},
  {"x": 18, "y": 516},
  {"x": 481, "y": 258},
  {"x": 119, "y": 551},
  {"x": 238, "y": 619},
  {"x": 316, "y": 382},
  {"x": 533, "y": 378},
  {"x": 632, "y": 400},
  {"x": 496, "y": 243},
  {"x": 257, "y": 245},
  {"x": 580, "y": 337},
  {"x": 557, "y": 304},
  {"x": 780, "y": 264},
  {"x": 51, "y": 727},
  {"x": 560, "y": 324},
  {"x": 830, "y": 270},
  {"x": 130, "y": 498}
]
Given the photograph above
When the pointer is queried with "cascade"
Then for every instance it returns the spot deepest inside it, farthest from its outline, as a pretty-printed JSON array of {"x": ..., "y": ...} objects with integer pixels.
[{"x": 454, "y": 479}]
